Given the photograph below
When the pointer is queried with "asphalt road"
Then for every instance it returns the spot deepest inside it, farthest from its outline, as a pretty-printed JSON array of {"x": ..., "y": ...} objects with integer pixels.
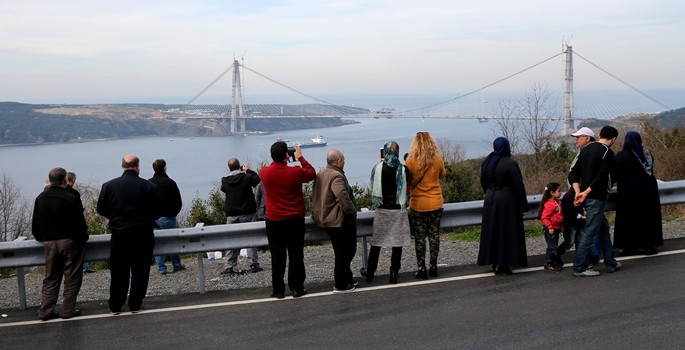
[{"x": 641, "y": 306}]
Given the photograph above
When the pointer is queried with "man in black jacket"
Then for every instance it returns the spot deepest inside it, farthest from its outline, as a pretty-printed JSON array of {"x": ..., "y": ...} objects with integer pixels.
[
  {"x": 172, "y": 206},
  {"x": 132, "y": 204},
  {"x": 240, "y": 206},
  {"x": 591, "y": 180},
  {"x": 59, "y": 223}
]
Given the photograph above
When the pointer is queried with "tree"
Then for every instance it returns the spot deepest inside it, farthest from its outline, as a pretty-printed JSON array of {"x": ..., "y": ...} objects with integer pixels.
[
  {"x": 15, "y": 211},
  {"x": 208, "y": 211},
  {"x": 97, "y": 224},
  {"x": 529, "y": 123}
]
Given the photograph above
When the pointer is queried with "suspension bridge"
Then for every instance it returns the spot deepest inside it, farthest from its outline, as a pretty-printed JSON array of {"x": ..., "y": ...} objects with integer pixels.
[{"x": 538, "y": 101}]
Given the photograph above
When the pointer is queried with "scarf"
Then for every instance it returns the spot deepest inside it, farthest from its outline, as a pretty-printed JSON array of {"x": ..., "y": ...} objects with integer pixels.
[
  {"x": 501, "y": 149},
  {"x": 391, "y": 159}
]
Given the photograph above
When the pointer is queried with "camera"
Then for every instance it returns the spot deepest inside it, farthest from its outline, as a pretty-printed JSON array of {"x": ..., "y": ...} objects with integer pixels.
[{"x": 291, "y": 154}]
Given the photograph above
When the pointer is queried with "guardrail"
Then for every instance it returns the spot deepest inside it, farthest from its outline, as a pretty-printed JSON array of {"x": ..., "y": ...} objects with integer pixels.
[{"x": 199, "y": 239}]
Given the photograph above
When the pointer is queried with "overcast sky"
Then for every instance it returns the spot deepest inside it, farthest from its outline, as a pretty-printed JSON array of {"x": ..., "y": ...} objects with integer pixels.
[{"x": 147, "y": 51}]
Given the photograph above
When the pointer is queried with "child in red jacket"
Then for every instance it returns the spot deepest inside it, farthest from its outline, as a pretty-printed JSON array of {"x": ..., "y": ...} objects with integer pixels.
[{"x": 552, "y": 223}]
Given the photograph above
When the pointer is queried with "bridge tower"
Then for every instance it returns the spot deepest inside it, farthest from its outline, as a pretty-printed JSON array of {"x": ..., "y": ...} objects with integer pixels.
[
  {"x": 237, "y": 98},
  {"x": 568, "y": 119}
]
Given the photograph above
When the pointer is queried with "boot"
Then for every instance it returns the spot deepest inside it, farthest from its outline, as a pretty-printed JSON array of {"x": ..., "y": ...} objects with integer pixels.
[
  {"x": 421, "y": 273},
  {"x": 433, "y": 270},
  {"x": 393, "y": 276}
]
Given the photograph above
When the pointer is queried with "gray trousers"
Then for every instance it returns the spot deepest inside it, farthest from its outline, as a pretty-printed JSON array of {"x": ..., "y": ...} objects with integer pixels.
[{"x": 232, "y": 254}]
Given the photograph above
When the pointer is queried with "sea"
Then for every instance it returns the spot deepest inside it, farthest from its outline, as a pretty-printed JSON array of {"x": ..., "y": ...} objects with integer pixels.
[{"x": 198, "y": 163}]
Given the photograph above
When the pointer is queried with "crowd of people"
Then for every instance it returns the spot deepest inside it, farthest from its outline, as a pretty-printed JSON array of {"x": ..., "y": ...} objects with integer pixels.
[{"x": 408, "y": 204}]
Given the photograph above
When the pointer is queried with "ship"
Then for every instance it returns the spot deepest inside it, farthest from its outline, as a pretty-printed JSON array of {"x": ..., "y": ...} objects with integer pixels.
[{"x": 318, "y": 141}]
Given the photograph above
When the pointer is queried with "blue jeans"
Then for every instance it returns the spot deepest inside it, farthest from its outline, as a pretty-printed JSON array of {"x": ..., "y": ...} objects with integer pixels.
[
  {"x": 596, "y": 225},
  {"x": 163, "y": 223},
  {"x": 552, "y": 243}
]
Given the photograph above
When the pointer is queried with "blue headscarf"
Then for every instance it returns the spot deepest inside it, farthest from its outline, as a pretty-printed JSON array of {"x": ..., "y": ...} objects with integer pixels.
[
  {"x": 391, "y": 152},
  {"x": 501, "y": 149},
  {"x": 633, "y": 143}
]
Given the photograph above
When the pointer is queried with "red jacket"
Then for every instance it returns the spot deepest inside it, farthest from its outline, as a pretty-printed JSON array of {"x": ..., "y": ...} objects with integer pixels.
[
  {"x": 283, "y": 189},
  {"x": 551, "y": 216}
]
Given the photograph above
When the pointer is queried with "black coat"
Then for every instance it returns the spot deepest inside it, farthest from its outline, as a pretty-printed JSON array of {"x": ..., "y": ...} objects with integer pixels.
[
  {"x": 502, "y": 239},
  {"x": 240, "y": 198},
  {"x": 638, "y": 208},
  {"x": 131, "y": 203},
  {"x": 58, "y": 214},
  {"x": 169, "y": 192}
]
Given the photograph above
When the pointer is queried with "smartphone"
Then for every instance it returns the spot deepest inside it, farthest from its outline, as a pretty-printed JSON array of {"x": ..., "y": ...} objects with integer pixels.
[{"x": 382, "y": 153}]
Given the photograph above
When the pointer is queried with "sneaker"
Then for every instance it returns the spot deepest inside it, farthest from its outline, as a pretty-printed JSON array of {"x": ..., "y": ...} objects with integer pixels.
[
  {"x": 299, "y": 293},
  {"x": 350, "y": 287},
  {"x": 180, "y": 268},
  {"x": 354, "y": 282},
  {"x": 255, "y": 268},
  {"x": 162, "y": 273},
  {"x": 228, "y": 271},
  {"x": 552, "y": 267},
  {"x": 137, "y": 311},
  {"x": 112, "y": 312},
  {"x": 586, "y": 273},
  {"x": 611, "y": 269}
]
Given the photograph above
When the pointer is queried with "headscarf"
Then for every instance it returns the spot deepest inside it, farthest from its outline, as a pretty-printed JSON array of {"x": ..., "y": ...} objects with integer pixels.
[
  {"x": 501, "y": 149},
  {"x": 391, "y": 152},
  {"x": 633, "y": 143}
]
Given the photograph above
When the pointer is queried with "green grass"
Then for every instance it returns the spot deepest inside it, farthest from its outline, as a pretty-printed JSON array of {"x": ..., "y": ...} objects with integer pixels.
[{"x": 472, "y": 233}]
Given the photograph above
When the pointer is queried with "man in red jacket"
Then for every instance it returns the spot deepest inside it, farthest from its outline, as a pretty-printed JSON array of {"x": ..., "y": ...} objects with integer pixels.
[{"x": 285, "y": 217}]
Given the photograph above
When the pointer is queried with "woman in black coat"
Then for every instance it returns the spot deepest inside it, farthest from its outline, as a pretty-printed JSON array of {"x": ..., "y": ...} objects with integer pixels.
[
  {"x": 638, "y": 209},
  {"x": 502, "y": 239}
]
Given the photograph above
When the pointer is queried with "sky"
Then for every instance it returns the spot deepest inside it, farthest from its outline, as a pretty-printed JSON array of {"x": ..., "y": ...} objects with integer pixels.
[{"x": 168, "y": 51}]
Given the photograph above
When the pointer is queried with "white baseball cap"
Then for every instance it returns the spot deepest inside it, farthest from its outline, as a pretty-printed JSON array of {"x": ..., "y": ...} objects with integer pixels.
[{"x": 584, "y": 131}]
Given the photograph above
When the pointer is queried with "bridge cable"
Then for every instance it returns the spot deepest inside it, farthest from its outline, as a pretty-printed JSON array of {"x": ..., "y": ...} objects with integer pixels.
[
  {"x": 210, "y": 85},
  {"x": 623, "y": 82},
  {"x": 484, "y": 87}
]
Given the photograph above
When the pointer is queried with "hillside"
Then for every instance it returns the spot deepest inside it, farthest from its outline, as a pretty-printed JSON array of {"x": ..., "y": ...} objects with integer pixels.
[{"x": 36, "y": 124}]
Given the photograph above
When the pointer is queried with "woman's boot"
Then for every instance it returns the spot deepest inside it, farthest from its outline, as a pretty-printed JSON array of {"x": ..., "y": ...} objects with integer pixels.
[{"x": 393, "y": 276}]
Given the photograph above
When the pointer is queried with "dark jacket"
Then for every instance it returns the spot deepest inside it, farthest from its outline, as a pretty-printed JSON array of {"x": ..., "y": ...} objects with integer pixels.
[
  {"x": 572, "y": 214},
  {"x": 593, "y": 169},
  {"x": 169, "y": 192},
  {"x": 58, "y": 214},
  {"x": 131, "y": 203},
  {"x": 239, "y": 195}
]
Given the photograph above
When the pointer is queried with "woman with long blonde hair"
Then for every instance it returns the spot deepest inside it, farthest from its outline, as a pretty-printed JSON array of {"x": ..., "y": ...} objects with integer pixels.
[{"x": 426, "y": 168}]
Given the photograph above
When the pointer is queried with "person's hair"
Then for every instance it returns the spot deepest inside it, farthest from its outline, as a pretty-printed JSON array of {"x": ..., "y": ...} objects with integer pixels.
[
  {"x": 233, "y": 164},
  {"x": 549, "y": 189},
  {"x": 424, "y": 149},
  {"x": 159, "y": 165},
  {"x": 608, "y": 132},
  {"x": 57, "y": 176},
  {"x": 333, "y": 156},
  {"x": 279, "y": 150},
  {"x": 131, "y": 164},
  {"x": 71, "y": 177}
]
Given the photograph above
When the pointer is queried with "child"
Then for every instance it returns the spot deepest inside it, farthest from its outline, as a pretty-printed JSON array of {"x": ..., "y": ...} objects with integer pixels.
[
  {"x": 552, "y": 222},
  {"x": 574, "y": 220}
]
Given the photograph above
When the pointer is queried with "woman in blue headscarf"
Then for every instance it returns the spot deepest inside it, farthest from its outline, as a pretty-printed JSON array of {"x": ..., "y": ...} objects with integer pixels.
[
  {"x": 638, "y": 208},
  {"x": 502, "y": 240},
  {"x": 389, "y": 179}
]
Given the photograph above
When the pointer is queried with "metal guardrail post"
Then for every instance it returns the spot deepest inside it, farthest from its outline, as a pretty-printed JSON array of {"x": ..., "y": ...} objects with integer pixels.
[
  {"x": 21, "y": 286},
  {"x": 365, "y": 254},
  {"x": 201, "y": 274}
]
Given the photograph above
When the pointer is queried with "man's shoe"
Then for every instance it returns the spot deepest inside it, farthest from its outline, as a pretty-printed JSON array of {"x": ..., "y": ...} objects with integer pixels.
[
  {"x": 611, "y": 269},
  {"x": 278, "y": 295},
  {"x": 348, "y": 288},
  {"x": 586, "y": 273},
  {"x": 137, "y": 311},
  {"x": 163, "y": 272},
  {"x": 369, "y": 276},
  {"x": 255, "y": 268},
  {"x": 49, "y": 316},
  {"x": 228, "y": 271},
  {"x": 76, "y": 313},
  {"x": 299, "y": 293},
  {"x": 557, "y": 260},
  {"x": 180, "y": 268},
  {"x": 354, "y": 282}
]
